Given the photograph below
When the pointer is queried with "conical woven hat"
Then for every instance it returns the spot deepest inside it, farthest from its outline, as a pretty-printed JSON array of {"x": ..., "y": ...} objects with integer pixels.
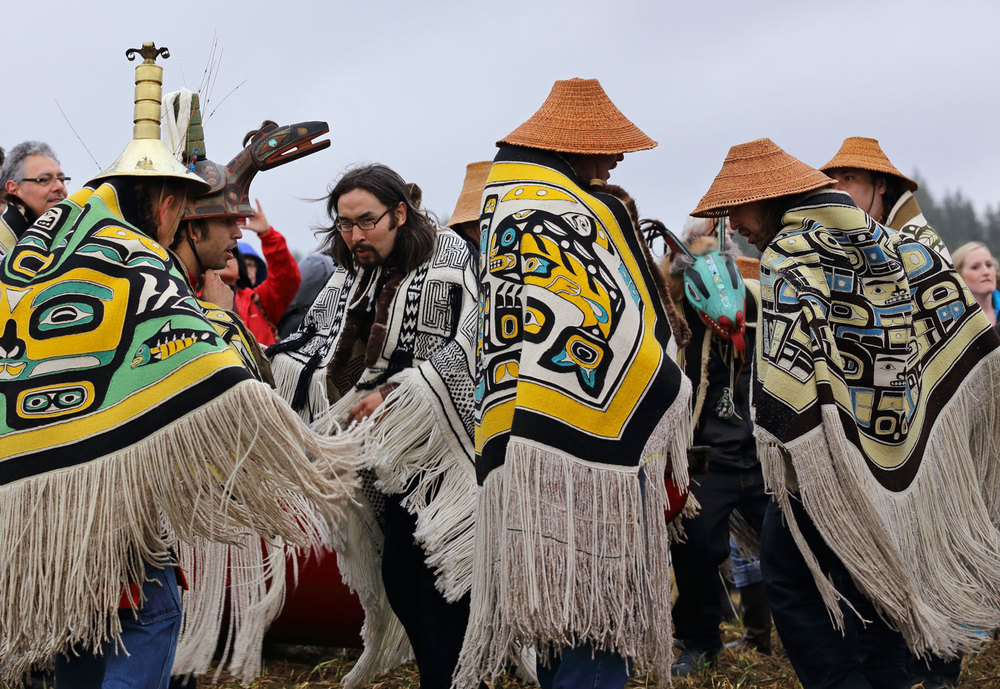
[
  {"x": 469, "y": 200},
  {"x": 578, "y": 117},
  {"x": 755, "y": 171},
  {"x": 865, "y": 154}
]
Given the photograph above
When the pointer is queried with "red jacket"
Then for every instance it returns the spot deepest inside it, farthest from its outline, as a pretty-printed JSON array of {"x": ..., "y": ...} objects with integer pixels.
[{"x": 263, "y": 306}]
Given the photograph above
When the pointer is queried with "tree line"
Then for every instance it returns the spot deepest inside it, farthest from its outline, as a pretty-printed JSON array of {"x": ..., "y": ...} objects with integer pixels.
[{"x": 955, "y": 218}]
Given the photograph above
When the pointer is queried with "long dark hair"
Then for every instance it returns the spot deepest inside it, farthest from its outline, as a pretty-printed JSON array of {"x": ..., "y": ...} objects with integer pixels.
[
  {"x": 415, "y": 238},
  {"x": 894, "y": 188}
]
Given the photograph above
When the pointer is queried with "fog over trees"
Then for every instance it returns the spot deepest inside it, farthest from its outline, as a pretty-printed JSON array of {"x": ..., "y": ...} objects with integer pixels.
[{"x": 955, "y": 218}]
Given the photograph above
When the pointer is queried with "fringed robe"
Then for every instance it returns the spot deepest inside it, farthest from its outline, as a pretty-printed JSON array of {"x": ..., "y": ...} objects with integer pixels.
[
  {"x": 876, "y": 404},
  {"x": 580, "y": 407},
  {"x": 129, "y": 423}
]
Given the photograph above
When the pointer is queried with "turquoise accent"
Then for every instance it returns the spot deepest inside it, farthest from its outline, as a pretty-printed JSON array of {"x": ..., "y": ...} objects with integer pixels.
[{"x": 717, "y": 275}]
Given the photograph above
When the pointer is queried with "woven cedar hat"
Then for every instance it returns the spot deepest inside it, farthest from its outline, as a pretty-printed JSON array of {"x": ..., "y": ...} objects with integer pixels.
[
  {"x": 755, "y": 171},
  {"x": 469, "y": 200},
  {"x": 578, "y": 117},
  {"x": 865, "y": 154}
]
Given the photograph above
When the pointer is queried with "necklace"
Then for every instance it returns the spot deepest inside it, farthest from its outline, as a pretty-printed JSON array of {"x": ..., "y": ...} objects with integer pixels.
[{"x": 725, "y": 408}]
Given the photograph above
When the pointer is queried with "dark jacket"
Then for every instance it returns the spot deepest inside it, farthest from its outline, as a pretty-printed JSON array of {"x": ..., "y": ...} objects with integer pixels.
[{"x": 730, "y": 440}]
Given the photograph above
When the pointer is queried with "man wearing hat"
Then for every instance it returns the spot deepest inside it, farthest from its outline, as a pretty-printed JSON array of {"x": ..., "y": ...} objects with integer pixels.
[
  {"x": 465, "y": 218},
  {"x": 130, "y": 429},
  {"x": 863, "y": 170},
  {"x": 579, "y": 405},
  {"x": 389, "y": 345},
  {"x": 877, "y": 426}
]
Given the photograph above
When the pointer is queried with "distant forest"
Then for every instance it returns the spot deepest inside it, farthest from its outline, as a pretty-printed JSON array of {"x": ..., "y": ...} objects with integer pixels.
[{"x": 956, "y": 220}]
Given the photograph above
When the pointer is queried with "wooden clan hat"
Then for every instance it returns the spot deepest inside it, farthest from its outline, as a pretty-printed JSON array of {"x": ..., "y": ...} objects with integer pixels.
[
  {"x": 468, "y": 206},
  {"x": 578, "y": 117},
  {"x": 863, "y": 153},
  {"x": 756, "y": 171}
]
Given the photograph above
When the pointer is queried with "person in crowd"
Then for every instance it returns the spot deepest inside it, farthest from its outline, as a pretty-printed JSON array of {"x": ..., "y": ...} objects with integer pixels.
[
  {"x": 877, "y": 426},
  {"x": 388, "y": 344},
  {"x": 315, "y": 270},
  {"x": 721, "y": 309},
  {"x": 109, "y": 354},
  {"x": 864, "y": 171},
  {"x": 579, "y": 403},
  {"x": 3, "y": 193},
  {"x": 261, "y": 293},
  {"x": 465, "y": 218},
  {"x": 32, "y": 182},
  {"x": 975, "y": 263}
]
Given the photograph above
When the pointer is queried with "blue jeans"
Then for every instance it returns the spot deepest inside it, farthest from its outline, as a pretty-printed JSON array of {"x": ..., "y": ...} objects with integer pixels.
[
  {"x": 583, "y": 668},
  {"x": 149, "y": 635},
  {"x": 745, "y": 572}
]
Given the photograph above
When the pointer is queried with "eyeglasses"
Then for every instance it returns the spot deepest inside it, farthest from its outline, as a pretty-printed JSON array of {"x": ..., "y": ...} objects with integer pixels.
[
  {"x": 365, "y": 224},
  {"x": 47, "y": 180}
]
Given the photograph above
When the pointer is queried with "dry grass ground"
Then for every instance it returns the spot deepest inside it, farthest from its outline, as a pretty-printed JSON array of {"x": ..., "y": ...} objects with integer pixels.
[{"x": 317, "y": 668}]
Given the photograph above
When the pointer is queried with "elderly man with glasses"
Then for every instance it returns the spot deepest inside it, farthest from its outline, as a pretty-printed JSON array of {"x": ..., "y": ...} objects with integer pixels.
[
  {"x": 388, "y": 344},
  {"x": 32, "y": 183}
]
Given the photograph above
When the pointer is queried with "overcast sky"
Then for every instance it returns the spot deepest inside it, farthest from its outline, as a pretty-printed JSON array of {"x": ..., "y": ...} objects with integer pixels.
[{"x": 427, "y": 87}]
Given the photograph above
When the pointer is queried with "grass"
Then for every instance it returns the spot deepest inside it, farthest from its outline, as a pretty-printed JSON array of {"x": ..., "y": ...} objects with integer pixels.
[{"x": 322, "y": 668}]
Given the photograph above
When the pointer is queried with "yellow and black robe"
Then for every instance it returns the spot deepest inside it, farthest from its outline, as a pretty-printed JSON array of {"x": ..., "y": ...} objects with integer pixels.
[{"x": 579, "y": 404}]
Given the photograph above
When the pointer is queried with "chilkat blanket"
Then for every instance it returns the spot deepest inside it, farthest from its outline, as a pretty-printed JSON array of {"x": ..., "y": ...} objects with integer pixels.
[
  {"x": 126, "y": 416},
  {"x": 876, "y": 400},
  {"x": 578, "y": 396}
]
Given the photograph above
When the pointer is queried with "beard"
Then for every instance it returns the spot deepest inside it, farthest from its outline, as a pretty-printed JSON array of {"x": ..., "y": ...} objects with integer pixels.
[{"x": 370, "y": 258}]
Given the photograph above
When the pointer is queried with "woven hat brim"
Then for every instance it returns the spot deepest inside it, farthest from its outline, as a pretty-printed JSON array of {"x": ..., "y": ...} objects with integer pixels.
[
  {"x": 467, "y": 207},
  {"x": 758, "y": 171},
  {"x": 871, "y": 165},
  {"x": 720, "y": 205},
  {"x": 608, "y": 142},
  {"x": 579, "y": 117}
]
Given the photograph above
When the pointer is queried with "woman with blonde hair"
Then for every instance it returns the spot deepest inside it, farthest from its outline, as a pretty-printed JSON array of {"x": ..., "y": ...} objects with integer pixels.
[{"x": 975, "y": 263}]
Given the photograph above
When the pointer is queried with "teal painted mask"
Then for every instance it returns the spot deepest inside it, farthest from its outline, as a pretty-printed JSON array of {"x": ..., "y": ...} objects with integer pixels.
[{"x": 712, "y": 284}]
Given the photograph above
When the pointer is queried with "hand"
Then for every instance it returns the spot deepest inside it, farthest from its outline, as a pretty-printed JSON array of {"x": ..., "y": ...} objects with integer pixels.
[
  {"x": 216, "y": 291},
  {"x": 366, "y": 407},
  {"x": 257, "y": 224}
]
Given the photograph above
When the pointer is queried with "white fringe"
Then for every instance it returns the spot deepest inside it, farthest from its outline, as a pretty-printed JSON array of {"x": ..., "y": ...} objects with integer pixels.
[
  {"x": 570, "y": 552},
  {"x": 359, "y": 559},
  {"x": 928, "y": 556},
  {"x": 408, "y": 447},
  {"x": 413, "y": 449},
  {"x": 358, "y": 544},
  {"x": 70, "y": 537},
  {"x": 286, "y": 372}
]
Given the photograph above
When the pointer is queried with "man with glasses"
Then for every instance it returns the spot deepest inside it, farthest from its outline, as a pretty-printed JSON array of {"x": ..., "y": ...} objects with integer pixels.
[
  {"x": 388, "y": 344},
  {"x": 32, "y": 183}
]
